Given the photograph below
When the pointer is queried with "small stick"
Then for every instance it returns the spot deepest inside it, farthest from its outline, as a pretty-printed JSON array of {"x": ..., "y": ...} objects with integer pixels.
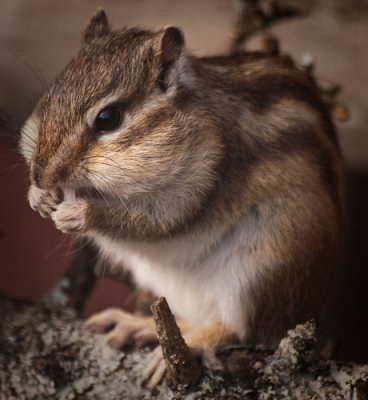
[
  {"x": 256, "y": 16},
  {"x": 181, "y": 365}
]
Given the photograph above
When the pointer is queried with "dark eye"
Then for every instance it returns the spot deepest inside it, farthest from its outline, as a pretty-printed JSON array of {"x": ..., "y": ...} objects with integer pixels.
[{"x": 108, "y": 119}]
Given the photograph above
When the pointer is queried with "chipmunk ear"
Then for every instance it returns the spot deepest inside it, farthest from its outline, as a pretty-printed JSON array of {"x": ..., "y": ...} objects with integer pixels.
[
  {"x": 97, "y": 27},
  {"x": 172, "y": 45}
]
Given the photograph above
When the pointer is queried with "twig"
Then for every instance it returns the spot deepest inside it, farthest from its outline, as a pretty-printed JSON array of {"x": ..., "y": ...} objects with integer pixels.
[
  {"x": 181, "y": 365},
  {"x": 329, "y": 92},
  {"x": 256, "y": 16}
]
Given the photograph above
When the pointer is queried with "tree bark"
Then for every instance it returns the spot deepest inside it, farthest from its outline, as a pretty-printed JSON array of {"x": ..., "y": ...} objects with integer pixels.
[{"x": 46, "y": 353}]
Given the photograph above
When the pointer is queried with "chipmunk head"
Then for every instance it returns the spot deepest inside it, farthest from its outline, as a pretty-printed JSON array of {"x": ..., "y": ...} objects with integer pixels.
[{"x": 115, "y": 119}]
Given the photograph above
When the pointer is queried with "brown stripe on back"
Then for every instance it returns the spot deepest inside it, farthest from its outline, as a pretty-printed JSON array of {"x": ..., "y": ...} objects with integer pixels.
[
  {"x": 262, "y": 80},
  {"x": 304, "y": 139},
  {"x": 235, "y": 170}
]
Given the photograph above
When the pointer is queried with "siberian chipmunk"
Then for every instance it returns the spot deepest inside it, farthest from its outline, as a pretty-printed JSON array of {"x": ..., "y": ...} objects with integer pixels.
[{"x": 216, "y": 181}]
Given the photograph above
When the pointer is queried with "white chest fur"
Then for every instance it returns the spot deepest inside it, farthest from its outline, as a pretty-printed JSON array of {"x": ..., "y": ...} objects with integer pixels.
[{"x": 204, "y": 279}]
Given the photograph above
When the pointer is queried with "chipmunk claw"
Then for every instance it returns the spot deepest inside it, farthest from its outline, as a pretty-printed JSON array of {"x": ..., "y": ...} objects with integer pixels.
[
  {"x": 155, "y": 371},
  {"x": 43, "y": 201},
  {"x": 122, "y": 328},
  {"x": 71, "y": 216}
]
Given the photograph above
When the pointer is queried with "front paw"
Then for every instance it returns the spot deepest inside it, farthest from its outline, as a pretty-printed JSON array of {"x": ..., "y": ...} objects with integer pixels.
[
  {"x": 72, "y": 216},
  {"x": 43, "y": 201}
]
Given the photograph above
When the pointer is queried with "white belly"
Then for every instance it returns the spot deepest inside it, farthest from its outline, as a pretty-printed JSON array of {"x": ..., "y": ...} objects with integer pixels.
[{"x": 200, "y": 277}]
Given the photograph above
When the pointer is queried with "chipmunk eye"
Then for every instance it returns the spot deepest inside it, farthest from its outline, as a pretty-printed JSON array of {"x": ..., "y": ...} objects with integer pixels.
[{"x": 108, "y": 119}]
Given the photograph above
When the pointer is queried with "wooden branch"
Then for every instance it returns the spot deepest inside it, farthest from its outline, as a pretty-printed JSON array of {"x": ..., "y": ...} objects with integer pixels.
[
  {"x": 74, "y": 287},
  {"x": 329, "y": 92},
  {"x": 182, "y": 367},
  {"x": 104, "y": 269},
  {"x": 87, "y": 266},
  {"x": 257, "y": 16}
]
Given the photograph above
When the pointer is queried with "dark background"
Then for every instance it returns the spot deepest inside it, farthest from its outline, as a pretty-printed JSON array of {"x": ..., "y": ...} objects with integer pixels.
[{"x": 38, "y": 37}]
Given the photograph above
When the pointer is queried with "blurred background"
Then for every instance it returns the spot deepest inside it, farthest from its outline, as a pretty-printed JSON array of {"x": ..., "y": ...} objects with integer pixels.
[{"x": 38, "y": 38}]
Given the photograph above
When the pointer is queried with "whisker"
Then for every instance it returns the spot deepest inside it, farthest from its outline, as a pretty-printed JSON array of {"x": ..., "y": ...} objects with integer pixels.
[
  {"x": 114, "y": 163},
  {"x": 58, "y": 246},
  {"x": 41, "y": 76},
  {"x": 103, "y": 180},
  {"x": 73, "y": 248},
  {"x": 11, "y": 168},
  {"x": 24, "y": 63}
]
